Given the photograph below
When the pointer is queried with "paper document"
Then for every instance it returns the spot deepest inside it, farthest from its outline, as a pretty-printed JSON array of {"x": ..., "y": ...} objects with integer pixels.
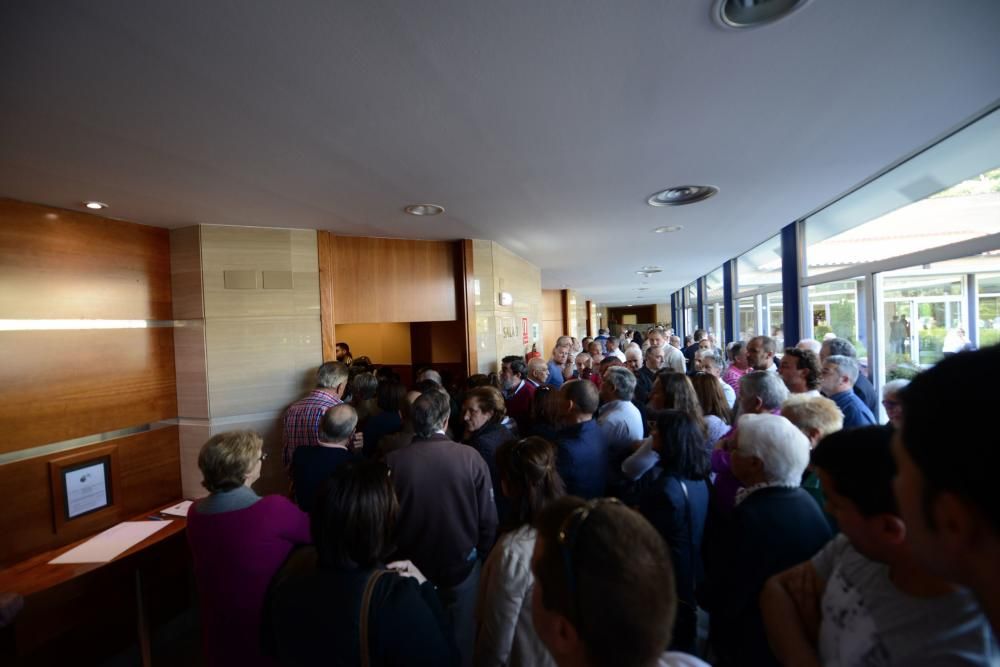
[
  {"x": 86, "y": 489},
  {"x": 114, "y": 541},
  {"x": 180, "y": 509}
]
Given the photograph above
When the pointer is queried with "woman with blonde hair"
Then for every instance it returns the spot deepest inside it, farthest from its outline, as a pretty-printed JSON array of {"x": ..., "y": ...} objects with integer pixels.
[
  {"x": 504, "y": 631},
  {"x": 238, "y": 541}
]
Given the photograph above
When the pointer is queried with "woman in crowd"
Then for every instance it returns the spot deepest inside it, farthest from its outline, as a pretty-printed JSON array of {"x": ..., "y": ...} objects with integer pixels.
[
  {"x": 504, "y": 631},
  {"x": 714, "y": 406},
  {"x": 676, "y": 503},
  {"x": 891, "y": 401},
  {"x": 238, "y": 540},
  {"x": 353, "y": 609},
  {"x": 546, "y": 413},
  {"x": 738, "y": 365},
  {"x": 483, "y": 412},
  {"x": 671, "y": 391},
  {"x": 390, "y": 399}
]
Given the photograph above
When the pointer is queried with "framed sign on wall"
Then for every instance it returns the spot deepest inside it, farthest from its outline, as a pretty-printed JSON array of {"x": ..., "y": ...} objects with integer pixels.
[{"x": 85, "y": 487}]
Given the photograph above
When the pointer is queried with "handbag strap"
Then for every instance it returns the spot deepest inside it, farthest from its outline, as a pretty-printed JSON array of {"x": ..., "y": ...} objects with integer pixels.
[{"x": 366, "y": 602}]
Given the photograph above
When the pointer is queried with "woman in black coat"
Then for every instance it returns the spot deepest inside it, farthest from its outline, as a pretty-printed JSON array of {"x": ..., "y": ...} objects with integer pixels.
[
  {"x": 483, "y": 412},
  {"x": 676, "y": 503}
]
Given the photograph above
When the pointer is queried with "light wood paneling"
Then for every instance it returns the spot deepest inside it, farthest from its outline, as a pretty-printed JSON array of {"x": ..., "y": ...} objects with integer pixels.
[
  {"x": 467, "y": 303},
  {"x": 392, "y": 280},
  {"x": 553, "y": 320},
  {"x": 186, "y": 284},
  {"x": 57, "y": 264},
  {"x": 324, "y": 249},
  {"x": 58, "y": 385},
  {"x": 384, "y": 343},
  {"x": 150, "y": 476}
]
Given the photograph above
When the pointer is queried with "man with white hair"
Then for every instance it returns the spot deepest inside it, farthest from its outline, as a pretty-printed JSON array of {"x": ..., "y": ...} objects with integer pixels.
[
  {"x": 620, "y": 420},
  {"x": 863, "y": 387},
  {"x": 538, "y": 372},
  {"x": 612, "y": 348},
  {"x": 775, "y": 525},
  {"x": 633, "y": 357},
  {"x": 837, "y": 381},
  {"x": 810, "y": 344},
  {"x": 707, "y": 360}
]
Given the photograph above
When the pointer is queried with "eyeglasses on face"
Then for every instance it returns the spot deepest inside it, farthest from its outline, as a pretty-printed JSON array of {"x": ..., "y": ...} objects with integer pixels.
[{"x": 569, "y": 534}]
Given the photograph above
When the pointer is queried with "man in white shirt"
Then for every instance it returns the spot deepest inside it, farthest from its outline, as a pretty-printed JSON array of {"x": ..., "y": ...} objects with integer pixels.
[
  {"x": 618, "y": 417},
  {"x": 613, "y": 351},
  {"x": 672, "y": 357}
]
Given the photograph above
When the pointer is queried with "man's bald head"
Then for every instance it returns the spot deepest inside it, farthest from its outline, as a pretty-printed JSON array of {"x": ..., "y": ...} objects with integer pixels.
[{"x": 338, "y": 424}]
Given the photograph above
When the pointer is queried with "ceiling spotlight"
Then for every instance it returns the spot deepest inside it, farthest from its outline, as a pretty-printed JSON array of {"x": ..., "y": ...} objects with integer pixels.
[
  {"x": 628, "y": 305},
  {"x": 751, "y": 13},
  {"x": 648, "y": 270},
  {"x": 424, "y": 209},
  {"x": 95, "y": 205},
  {"x": 668, "y": 229},
  {"x": 651, "y": 269},
  {"x": 682, "y": 194}
]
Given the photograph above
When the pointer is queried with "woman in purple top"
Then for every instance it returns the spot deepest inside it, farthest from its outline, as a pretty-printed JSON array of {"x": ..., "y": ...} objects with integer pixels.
[{"x": 238, "y": 541}]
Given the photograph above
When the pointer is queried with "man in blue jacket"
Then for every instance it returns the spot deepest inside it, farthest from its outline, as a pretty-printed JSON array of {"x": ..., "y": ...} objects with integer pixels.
[
  {"x": 837, "y": 381},
  {"x": 582, "y": 458}
]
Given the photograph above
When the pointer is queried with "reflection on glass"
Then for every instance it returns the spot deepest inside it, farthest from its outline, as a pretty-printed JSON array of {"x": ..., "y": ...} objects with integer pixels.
[
  {"x": 988, "y": 321},
  {"x": 713, "y": 285},
  {"x": 760, "y": 267},
  {"x": 717, "y": 323},
  {"x": 748, "y": 318},
  {"x": 776, "y": 317},
  {"x": 834, "y": 309}
]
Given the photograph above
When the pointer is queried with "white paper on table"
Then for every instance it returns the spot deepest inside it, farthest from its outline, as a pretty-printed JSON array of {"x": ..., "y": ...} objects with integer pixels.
[
  {"x": 180, "y": 509},
  {"x": 114, "y": 541}
]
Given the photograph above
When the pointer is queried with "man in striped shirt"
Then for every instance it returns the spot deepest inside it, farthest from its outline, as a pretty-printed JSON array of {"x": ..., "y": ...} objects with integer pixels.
[{"x": 302, "y": 419}]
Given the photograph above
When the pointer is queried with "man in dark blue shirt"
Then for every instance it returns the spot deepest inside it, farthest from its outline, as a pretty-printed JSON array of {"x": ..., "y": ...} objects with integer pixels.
[
  {"x": 582, "y": 457},
  {"x": 311, "y": 466},
  {"x": 837, "y": 381}
]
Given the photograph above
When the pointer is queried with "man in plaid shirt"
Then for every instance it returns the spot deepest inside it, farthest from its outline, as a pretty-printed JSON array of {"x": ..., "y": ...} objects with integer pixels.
[{"x": 301, "y": 427}]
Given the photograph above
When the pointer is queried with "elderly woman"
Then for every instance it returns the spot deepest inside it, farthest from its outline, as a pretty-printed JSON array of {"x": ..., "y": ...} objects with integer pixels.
[
  {"x": 891, "y": 401},
  {"x": 315, "y": 615},
  {"x": 817, "y": 417},
  {"x": 676, "y": 503},
  {"x": 238, "y": 540},
  {"x": 774, "y": 526},
  {"x": 482, "y": 412},
  {"x": 505, "y": 634}
]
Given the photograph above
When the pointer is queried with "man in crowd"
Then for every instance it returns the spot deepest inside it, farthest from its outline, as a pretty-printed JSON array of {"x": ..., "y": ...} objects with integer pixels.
[
  {"x": 560, "y": 365},
  {"x": 618, "y": 418},
  {"x": 612, "y": 346},
  {"x": 760, "y": 354},
  {"x": 518, "y": 392},
  {"x": 311, "y": 466},
  {"x": 603, "y": 594},
  {"x": 810, "y": 344},
  {"x": 699, "y": 335},
  {"x": 837, "y": 381},
  {"x": 774, "y": 525},
  {"x": 864, "y": 597},
  {"x": 538, "y": 372},
  {"x": 633, "y": 357},
  {"x": 646, "y": 375},
  {"x": 708, "y": 361},
  {"x": 800, "y": 371},
  {"x": 672, "y": 357},
  {"x": 447, "y": 516},
  {"x": 947, "y": 458},
  {"x": 863, "y": 386},
  {"x": 582, "y": 452},
  {"x": 301, "y": 424}
]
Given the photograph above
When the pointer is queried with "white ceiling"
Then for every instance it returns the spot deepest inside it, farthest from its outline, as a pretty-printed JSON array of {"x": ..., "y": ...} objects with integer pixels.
[{"x": 542, "y": 125}]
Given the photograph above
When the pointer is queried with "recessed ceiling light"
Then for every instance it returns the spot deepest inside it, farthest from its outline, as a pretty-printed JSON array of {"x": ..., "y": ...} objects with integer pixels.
[
  {"x": 752, "y": 13},
  {"x": 641, "y": 289},
  {"x": 628, "y": 305},
  {"x": 682, "y": 194},
  {"x": 669, "y": 228},
  {"x": 424, "y": 209},
  {"x": 646, "y": 271},
  {"x": 651, "y": 269},
  {"x": 95, "y": 205}
]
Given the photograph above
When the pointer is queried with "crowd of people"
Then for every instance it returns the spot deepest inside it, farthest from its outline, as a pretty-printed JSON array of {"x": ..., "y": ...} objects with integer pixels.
[{"x": 629, "y": 501}]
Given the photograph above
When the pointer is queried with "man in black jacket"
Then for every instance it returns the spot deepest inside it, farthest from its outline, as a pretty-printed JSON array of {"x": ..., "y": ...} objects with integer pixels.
[{"x": 863, "y": 387}]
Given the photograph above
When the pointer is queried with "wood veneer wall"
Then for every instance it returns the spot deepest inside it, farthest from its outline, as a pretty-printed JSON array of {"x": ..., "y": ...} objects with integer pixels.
[{"x": 67, "y": 384}]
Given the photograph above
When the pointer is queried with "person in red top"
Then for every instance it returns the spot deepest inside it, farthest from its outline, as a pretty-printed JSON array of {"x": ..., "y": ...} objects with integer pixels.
[
  {"x": 518, "y": 392},
  {"x": 301, "y": 423}
]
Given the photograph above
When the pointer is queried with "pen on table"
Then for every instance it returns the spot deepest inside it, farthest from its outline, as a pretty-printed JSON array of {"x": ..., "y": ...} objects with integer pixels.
[{"x": 154, "y": 517}]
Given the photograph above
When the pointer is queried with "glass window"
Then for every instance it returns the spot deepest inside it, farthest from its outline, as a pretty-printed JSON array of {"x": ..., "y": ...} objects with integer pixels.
[
  {"x": 946, "y": 194},
  {"x": 988, "y": 325},
  {"x": 761, "y": 267},
  {"x": 713, "y": 286},
  {"x": 748, "y": 318},
  {"x": 776, "y": 317},
  {"x": 717, "y": 323},
  {"x": 834, "y": 310}
]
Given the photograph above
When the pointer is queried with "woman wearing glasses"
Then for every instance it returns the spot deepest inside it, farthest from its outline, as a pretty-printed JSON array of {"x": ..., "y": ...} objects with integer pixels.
[
  {"x": 354, "y": 609},
  {"x": 504, "y": 632},
  {"x": 238, "y": 540}
]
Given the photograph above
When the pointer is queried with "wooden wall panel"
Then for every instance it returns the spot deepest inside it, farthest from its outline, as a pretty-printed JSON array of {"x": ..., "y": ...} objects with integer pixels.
[
  {"x": 391, "y": 280},
  {"x": 553, "y": 320},
  {"x": 57, "y": 385},
  {"x": 324, "y": 249},
  {"x": 150, "y": 477},
  {"x": 62, "y": 264},
  {"x": 644, "y": 314}
]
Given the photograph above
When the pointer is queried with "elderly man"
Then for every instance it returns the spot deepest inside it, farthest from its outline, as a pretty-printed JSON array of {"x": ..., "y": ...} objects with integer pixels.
[
  {"x": 633, "y": 357},
  {"x": 947, "y": 459},
  {"x": 518, "y": 392},
  {"x": 810, "y": 344},
  {"x": 612, "y": 346},
  {"x": 837, "y": 381},
  {"x": 538, "y": 372},
  {"x": 618, "y": 418},
  {"x": 646, "y": 376},
  {"x": 688, "y": 352},
  {"x": 760, "y": 354},
  {"x": 311, "y": 466},
  {"x": 672, "y": 357},
  {"x": 800, "y": 371},
  {"x": 774, "y": 526},
  {"x": 447, "y": 516},
  {"x": 863, "y": 386},
  {"x": 561, "y": 365},
  {"x": 301, "y": 424}
]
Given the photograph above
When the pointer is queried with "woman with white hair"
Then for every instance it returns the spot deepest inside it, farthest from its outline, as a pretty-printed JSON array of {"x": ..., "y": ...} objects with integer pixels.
[
  {"x": 891, "y": 401},
  {"x": 775, "y": 525}
]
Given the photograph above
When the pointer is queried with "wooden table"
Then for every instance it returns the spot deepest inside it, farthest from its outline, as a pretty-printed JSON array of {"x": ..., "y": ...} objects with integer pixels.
[{"x": 62, "y": 601}]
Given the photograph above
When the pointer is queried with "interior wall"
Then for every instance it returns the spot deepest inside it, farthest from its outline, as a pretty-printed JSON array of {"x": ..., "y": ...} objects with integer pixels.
[
  {"x": 382, "y": 342},
  {"x": 663, "y": 315},
  {"x": 500, "y": 330},
  {"x": 62, "y": 391},
  {"x": 553, "y": 320},
  {"x": 249, "y": 301}
]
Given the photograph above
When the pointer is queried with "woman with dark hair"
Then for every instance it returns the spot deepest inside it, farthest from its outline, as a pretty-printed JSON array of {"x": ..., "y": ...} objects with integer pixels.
[
  {"x": 482, "y": 412},
  {"x": 390, "y": 399},
  {"x": 504, "y": 631},
  {"x": 352, "y": 609},
  {"x": 714, "y": 406},
  {"x": 676, "y": 503},
  {"x": 671, "y": 391},
  {"x": 546, "y": 413}
]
